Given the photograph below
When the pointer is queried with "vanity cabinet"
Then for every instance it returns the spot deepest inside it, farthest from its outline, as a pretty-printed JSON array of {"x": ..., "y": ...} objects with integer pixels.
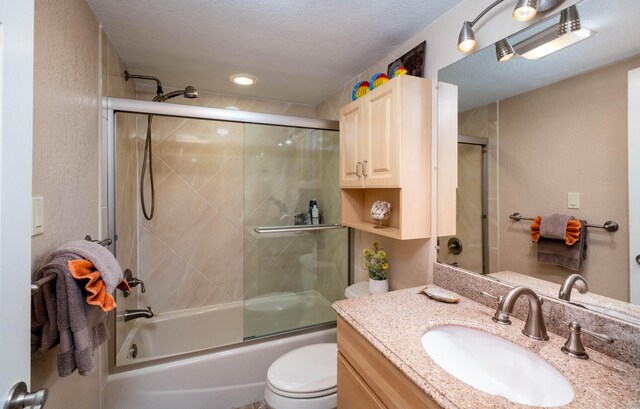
[
  {"x": 385, "y": 154},
  {"x": 367, "y": 380}
]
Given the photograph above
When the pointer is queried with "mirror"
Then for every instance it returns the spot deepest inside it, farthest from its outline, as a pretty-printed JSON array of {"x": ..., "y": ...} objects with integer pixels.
[{"x": 547, "y": 136}]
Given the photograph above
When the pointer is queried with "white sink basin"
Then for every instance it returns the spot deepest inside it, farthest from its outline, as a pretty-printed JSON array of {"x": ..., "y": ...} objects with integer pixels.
[{"x": 497, "y": 366}]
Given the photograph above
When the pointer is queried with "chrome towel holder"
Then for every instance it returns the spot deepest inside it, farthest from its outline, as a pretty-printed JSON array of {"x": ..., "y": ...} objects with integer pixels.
[
  {"x": 609, "y": 225},
  {"x": 37, "y": 286}
]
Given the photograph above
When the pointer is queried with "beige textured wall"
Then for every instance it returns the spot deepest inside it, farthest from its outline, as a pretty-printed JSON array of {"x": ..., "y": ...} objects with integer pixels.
[
  {"x": 574, "y": 139},
  {"x": 147, "y": 90},
  {"x": 65, "y": 159}
]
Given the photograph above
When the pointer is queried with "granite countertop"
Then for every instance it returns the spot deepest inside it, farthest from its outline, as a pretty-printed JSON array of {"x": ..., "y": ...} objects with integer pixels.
[{"x": 395, "y": 322}]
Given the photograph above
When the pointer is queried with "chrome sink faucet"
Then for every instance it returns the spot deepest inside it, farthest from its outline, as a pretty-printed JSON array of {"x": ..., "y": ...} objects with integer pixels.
[
  {"x": 534, "y": 327},
  {"x": 134, "y": 314},
  {"x": 574, "y": 280}
]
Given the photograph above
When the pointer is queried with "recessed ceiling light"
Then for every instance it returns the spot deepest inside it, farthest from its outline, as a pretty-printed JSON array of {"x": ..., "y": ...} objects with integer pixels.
[{"x": 243, "y": 79}]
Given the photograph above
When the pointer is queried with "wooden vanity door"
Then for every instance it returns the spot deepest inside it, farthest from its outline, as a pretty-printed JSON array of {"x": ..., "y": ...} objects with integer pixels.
[
  {"x": 380, "y": 144},
  {"x": 351, "y": 122},
  {"x": 353, "y": 392}
]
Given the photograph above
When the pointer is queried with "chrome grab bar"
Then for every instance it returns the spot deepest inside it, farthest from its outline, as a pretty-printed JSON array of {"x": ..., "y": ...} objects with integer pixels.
[{"x": 297, "y": 228}]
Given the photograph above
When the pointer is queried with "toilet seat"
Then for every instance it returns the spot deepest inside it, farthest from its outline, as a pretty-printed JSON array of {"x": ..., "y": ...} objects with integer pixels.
[
  {"x": 306, "y": 372},
  {"x": 302, "y": 395}
]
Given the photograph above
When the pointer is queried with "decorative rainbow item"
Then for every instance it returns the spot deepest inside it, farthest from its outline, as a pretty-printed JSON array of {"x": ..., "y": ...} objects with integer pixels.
[
  {"x": 399, "y": 71},
  {"x": 359, "y": 90},
  {"x": 378, "y": 80}
]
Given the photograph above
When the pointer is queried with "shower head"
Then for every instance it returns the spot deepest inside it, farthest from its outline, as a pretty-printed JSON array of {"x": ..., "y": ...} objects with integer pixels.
[{"x": 189, "y": 92}]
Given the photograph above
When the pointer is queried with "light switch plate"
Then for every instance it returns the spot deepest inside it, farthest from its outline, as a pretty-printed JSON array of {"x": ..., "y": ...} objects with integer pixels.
[
  {"x": 573, "y": 200},
  {"x": 37, "y": 216}
]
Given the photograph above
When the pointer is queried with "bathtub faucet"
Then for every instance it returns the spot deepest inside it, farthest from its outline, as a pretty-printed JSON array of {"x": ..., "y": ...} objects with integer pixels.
[{"x": 134, "y": 314}]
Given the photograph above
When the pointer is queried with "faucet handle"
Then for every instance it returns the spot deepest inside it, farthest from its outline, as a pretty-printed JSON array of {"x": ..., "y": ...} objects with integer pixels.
[
  {"x": 574, "y": 348},
  {"x": 495, "y": 297},
  {"x": 134, "y": 282}
]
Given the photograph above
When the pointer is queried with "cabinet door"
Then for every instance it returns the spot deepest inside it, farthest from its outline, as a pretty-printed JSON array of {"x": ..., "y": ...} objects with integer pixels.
[
  {"x": 380, "y": 143},
  {"x": 351, "y": 122},
  {"x": 353, "y": 392}
]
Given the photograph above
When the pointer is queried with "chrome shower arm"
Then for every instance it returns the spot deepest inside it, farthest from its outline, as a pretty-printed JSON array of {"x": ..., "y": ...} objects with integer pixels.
[
  {"x": 174, "y": 94},
  {"x": 144, "y": 77}
]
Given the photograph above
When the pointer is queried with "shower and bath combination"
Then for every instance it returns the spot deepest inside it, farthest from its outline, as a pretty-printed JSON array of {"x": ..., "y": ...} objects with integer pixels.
[{"x": 188, "y": 92}]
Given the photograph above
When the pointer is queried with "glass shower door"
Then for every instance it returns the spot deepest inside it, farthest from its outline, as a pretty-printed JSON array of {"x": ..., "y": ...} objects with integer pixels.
[
  {"x": 467, "y": 248},
  {"x": 291, "y": 277}
]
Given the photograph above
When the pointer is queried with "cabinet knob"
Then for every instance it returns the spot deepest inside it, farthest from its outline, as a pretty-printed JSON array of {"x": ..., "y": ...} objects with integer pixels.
[
  {"x": 364, "y": 168},
  {"x": 358, "y": 169}
]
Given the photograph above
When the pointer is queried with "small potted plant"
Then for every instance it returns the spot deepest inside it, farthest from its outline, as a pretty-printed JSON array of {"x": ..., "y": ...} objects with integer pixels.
[{"x": 376, "y": 263}]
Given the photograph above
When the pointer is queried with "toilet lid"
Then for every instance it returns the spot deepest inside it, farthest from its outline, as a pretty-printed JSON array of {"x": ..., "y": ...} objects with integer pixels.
[
  {"x": 356, "y": 290},
  {"x": 309, "y": 370}
]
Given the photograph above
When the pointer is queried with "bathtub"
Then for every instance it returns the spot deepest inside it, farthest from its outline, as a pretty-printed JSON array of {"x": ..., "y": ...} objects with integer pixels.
[{"x": 220, "y": 379}]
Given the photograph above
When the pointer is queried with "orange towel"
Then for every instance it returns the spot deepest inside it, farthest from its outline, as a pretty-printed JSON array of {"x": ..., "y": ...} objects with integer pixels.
[
  {"x": 96, "y": 289},
  {"x": 573, "y": 231}
]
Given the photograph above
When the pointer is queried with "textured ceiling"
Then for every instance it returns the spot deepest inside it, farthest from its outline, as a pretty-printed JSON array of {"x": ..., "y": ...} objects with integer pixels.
[
  {"x": 300, "y": 50},
  {"x": 482, "y": 79}
]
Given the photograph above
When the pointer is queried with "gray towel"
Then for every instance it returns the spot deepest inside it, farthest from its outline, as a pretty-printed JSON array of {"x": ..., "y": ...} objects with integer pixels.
[
  {"x": 556, "y": 251},
  {"x": 60, "y": 314},
  {"x": 554, "y": 226},
  {"x": 100, "y": 256}
]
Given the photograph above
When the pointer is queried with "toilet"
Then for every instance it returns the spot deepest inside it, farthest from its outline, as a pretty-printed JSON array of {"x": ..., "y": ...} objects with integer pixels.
[{"x": 306, "y": 378}]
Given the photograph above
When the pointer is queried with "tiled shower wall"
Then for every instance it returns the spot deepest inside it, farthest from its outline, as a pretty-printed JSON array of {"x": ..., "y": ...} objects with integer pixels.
[
  {"x": 191, "y": 253},
  {"x": 280, "y": 180}
]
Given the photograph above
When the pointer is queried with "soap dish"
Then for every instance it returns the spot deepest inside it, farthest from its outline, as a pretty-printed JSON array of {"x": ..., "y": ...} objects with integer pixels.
[{"x": 440, "y": 294}]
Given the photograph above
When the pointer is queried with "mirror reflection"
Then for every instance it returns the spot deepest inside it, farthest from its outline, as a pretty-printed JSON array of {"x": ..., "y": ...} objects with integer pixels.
[{"x": 550, "y": 136}]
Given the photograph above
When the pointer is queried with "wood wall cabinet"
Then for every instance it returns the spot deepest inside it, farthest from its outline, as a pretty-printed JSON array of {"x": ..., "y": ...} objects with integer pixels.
[
  {"x": 367, "y": 380},
  {"x": 385, "y": 154}
]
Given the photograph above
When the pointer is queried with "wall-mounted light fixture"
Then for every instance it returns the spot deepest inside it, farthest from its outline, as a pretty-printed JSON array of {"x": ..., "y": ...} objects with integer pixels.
[
  {"x": 504, "y": 51},
  {"x": 568, "y": 32},
  {"x": 524, "y": 10}
]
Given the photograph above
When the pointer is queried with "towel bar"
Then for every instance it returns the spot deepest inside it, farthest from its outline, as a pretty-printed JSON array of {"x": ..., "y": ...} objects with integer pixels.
[
  {"x": 609, "y": 225},
  {"x": 297, "y": 228},
  {"x": 37, "y": 286}
]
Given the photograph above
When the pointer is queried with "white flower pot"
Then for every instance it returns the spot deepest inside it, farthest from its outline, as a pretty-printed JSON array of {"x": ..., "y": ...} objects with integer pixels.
[{"x": 378, "y": 286}]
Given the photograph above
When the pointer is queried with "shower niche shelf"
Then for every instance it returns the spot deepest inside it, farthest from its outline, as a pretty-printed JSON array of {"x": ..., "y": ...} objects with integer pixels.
[{"x": 385, "y": 154}]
